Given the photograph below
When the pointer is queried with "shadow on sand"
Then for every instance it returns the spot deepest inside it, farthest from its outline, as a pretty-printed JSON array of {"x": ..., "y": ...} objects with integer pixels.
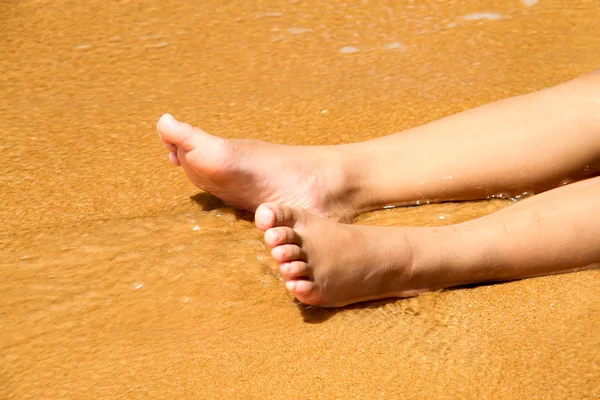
[
  {"x": 208, "y": 202},
  {"x": 317, "y": 315}
]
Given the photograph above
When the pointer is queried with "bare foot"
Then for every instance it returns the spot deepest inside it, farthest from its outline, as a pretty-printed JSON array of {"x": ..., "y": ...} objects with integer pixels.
[
  {"x": 329, "y": 264},
  {"x": 246, "y": 173}
]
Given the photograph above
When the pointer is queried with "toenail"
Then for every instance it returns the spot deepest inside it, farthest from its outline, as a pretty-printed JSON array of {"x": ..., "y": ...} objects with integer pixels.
[
  {"x": 267, "y": 214},
  {"x": 169, "y": 120},
  {"x": 291, "y": 285},
  {"x": 274, "y": 236}
]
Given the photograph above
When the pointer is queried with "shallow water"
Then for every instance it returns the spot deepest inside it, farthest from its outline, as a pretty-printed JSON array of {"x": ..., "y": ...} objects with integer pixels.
[{"x": 119, "y": 279}]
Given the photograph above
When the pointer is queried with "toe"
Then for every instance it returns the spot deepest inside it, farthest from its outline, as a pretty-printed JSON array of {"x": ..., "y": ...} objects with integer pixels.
[
  {"x": 269, "y": 215},
  {"x": 281, "y": 235},
  {"x": 294, "y": 269},
  {"x": 173, "y": 158},
  {"x": 264, "y": 218},
  {"x": 171, "y": 147},
  {"x": 287, "y": 252},
  {"x": 299, "y": 287},
  {"x": 178, "y": 133}
]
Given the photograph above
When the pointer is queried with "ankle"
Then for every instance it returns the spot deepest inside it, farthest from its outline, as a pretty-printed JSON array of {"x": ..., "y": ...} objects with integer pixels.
[
  {"x": 356, "y": 178},
  {"x": 429, "y": 269}
]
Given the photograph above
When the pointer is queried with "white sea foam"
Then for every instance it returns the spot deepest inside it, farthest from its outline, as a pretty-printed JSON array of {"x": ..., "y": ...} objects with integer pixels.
[
  {"x": 484, "y": 15},
  {"x": 349, "y": 49},
  {"x": 530, "y": 3}
]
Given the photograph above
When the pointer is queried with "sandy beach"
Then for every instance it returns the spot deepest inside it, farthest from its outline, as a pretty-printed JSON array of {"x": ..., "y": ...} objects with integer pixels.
[{"x": 120, "y": 279}]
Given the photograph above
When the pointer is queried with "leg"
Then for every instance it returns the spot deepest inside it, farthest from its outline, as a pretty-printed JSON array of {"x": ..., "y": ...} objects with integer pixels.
[
  {"x": 556, "y": 231},
  {"x": 330, "y": 264},
  {"x": 528, "y": 143},
  {"x": 531, "y": 142}
]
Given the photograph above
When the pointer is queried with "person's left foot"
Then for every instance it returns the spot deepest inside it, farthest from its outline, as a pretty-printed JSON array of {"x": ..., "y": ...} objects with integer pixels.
[{"x": 329, "y": 264}]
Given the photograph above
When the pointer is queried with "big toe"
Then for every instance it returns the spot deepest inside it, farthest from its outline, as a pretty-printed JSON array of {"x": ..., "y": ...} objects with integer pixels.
[
  {"x": 270, "y": 215},
  {"x": 179, "y": 134}
]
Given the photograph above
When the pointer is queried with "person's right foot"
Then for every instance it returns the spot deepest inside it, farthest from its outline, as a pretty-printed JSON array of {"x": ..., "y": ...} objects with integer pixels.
[
  {"x": 247, "y": 173},
  {"x": 328, "y": 264}
]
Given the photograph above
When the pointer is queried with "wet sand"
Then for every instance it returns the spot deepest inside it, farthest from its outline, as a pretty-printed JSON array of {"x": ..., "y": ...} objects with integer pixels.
[{"x": 118, "y": 279}]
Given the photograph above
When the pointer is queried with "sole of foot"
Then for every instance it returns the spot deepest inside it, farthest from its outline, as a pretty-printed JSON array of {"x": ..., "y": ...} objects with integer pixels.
[{"x": 246, "y": 173}]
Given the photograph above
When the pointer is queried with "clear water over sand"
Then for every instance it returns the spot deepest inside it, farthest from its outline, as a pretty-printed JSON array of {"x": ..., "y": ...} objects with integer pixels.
[{"x": 118, "y": 279}]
